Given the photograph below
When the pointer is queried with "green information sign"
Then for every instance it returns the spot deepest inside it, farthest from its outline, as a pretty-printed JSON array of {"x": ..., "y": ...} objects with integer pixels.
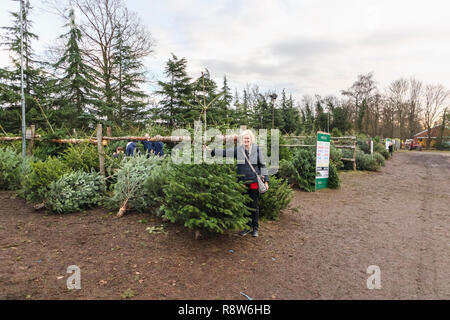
[{"x": 322, "y": 160}]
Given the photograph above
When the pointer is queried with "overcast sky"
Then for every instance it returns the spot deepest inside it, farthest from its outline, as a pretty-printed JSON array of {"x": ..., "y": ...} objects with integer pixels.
[{"x": 304, "y": 46}]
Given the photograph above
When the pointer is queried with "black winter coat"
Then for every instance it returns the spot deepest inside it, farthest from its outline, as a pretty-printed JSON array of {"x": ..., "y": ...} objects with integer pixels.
[{"x": 244, "y": 172}]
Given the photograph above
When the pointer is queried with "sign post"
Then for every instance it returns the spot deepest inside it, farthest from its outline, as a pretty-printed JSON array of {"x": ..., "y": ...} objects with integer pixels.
[{"x": 322, "y": 160}]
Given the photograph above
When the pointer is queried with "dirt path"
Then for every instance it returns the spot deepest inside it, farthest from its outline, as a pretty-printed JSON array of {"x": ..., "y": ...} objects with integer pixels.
[{"x": 397, "y": 219}]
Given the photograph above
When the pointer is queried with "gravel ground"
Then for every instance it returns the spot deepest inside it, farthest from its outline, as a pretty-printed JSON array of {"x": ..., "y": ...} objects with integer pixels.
[{"x": 397, "y": 219}]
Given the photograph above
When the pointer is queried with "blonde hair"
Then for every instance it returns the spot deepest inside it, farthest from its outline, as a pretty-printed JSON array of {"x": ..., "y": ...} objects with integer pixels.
[{"x": 247, "y": 133}]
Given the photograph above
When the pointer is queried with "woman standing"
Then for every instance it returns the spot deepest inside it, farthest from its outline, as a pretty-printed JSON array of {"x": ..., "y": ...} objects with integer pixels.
[{"x": 245, "y": 173}]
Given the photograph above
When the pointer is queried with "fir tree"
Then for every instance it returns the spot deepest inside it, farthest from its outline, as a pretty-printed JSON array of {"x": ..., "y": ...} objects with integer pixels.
[
  {"x": 238, "y": 115},
  {"x": 277, "y": 117},
  {"x": 294, "y": 119},
  {"x": 205, "y": 196},
  {"x": 362, "y": 115},
  {"x": 272, "y": 117},
  {"x": 245, "y": 107},
  {"x": 129, "y": 100},
  {"x": 75, "y": 88},
  {"x": 10, "y": 77},
  {"x": 224, "y": 115},
  {"x": 308, "y": 116},
  {"x": 176, "y": 92},
  {"x": 262, "y": 113},
  {"x": 290, "y": 114},
  {"x": 205, "y": 90},
  {"x": 321, "y": 120},
  {"x": 341, "y": 119}
]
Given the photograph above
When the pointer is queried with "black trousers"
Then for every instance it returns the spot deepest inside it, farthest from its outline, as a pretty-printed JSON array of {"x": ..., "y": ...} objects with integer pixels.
[{"x": 253, "y": 204}]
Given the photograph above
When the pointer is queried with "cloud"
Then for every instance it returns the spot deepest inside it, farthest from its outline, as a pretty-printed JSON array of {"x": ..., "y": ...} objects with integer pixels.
[{"x": 305, "y": 46}]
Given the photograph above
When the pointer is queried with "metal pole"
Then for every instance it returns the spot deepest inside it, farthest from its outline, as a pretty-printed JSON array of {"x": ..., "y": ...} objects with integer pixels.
[
  {"x": 328, "y": 122},
  {"x": 21, "y": 82},
  {"x": 273, "y": 114}
]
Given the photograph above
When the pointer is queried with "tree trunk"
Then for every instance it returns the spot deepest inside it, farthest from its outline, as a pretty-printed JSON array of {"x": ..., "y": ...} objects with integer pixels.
[{"x": 101, "y": 152}]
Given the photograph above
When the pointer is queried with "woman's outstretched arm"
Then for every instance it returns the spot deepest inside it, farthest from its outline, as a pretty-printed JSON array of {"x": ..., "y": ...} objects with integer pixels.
[{"x": 224, "y": 152}]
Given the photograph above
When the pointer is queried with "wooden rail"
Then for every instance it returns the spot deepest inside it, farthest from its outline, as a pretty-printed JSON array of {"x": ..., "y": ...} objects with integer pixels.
[
  {"x": 101, "y": 140},
  {"x": 347, "y": 146},
  {"x": 350, "y": 143}
]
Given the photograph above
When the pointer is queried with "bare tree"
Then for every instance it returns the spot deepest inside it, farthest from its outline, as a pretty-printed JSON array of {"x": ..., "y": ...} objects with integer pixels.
[
  {"x": 414, "y": 105},
  {"x": 398, "y": 95},
  {"x": 376, "y": 108},
  {"x": 388, "y": 117},
  {"x": 361, "y": 94},
  {"x": 435, "y": 97}
]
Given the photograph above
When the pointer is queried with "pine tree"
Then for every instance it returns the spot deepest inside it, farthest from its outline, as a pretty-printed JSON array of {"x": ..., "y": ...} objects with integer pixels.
[
  {"x": 321, "y": 121},
  {"x": 176, "y": 92},
  {"x": 290, "y": 114},
  {"x": 341, "y": 119},
  {"x": 224, "y": 115},
  {"x": 362, "y": 114},
  {"x": 205, "y": 196},
  {"x": 10, "y": 77},
  {"x": 278, "y": 121},
  {"x": 262, "y": 113},
  {"x": 75, "y": 89},
  {"x": 308, "y": 116},
  {"x": 205, "y": 91},
  {"x": 271, "y": 114},
  {"x": 245, "y": 108},
  {"x": 240, "y": 112},
  {"x": 129, "y": 100}
]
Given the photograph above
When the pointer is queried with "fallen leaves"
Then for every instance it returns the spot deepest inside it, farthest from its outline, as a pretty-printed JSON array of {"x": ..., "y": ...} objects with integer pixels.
[
  {"x": 129, "y": 293},
  {"x": 156, "y": 229}
]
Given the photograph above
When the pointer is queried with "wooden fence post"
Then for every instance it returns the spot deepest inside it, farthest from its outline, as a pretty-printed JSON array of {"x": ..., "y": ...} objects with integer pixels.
[
  {"x": 101, "y": 152},
  {"x": 108, "y": 133},
  {"x": 354, "y": 155},
  {"x": 31, "y": 142}
]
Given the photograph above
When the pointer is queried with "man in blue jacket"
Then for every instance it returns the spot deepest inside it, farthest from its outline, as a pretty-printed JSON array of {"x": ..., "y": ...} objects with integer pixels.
[
  {"x": 148, "y": 145},
  {"x": 158, "y": 148},
  {"x": 131, "y": 147}
]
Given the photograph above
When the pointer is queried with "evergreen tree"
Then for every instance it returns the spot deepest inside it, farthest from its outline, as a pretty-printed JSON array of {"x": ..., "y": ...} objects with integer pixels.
[
  {"x": 129, "y": 100},
  {"x": 242, "y": 112},
  {"x": 321, "y": 121},
  {"x": 175, "y": 92},
  {"x": 289, "y": 113},
  {"x": 236, "y": 114},
  {"x": 277, "y": 116},
  {"x": 308, "y": 115},
  {"x": 205, "y": 196},
  {"x": 75, "y": 88},
  {"x": 362, "y": 114},
  {"x": 205, "y": 90},
  {"x": 10, "y": 77},
  {"x": 341, "y": 119},
  {"x": 224, "y": 115},
  {"x": 262, "y": 113},
  {"x": 245, "y": 109}
]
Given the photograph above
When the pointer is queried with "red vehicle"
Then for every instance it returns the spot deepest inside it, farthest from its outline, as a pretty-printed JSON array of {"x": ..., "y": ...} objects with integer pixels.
[{"x": 410, "y": 144}]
